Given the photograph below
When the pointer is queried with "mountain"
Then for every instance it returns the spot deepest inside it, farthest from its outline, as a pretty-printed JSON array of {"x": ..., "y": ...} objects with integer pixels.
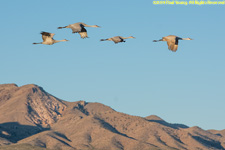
[{"x": 31, "y": 118}]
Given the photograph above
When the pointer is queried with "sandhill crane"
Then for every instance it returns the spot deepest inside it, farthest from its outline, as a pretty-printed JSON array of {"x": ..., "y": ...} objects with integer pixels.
[
  {"x": 79, "y": 28},
  {"x": 117, "y": 39},
  {"x": 48, "y": 39},
  {"x": 172, "y": 41}
]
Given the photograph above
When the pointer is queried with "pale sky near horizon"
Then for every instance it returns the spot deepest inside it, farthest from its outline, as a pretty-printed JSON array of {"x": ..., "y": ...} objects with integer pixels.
[{"x": 138, "y": 77}]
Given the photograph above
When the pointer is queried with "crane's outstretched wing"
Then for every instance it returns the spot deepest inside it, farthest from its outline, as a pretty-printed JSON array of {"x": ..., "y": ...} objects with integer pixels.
[
  {"x": 121, "y": 39},
  {"x": 83, "y": 33},
  {"x": 117, "y": 39},
  {"x": 172, "y": 45},
  {"x": 46, "y": 35},
  {"x": 76, "y": 27}
]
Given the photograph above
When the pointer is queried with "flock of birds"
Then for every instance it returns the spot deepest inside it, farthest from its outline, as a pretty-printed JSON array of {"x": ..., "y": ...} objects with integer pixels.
[{"x": 172, "y": 40}]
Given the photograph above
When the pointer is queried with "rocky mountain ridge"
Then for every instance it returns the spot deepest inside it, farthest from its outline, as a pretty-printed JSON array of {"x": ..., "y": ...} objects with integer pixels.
[{"x": 31, "y": 116}]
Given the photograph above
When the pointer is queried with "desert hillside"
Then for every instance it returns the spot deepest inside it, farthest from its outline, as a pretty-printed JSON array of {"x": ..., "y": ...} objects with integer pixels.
[{"x": 31, "y": 118}]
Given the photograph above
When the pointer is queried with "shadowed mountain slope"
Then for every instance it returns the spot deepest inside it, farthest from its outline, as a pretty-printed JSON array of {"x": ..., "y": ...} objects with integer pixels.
[{"x": 30, "y": 116}]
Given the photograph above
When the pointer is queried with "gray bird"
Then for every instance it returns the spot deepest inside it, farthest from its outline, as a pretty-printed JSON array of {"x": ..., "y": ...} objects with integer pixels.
[
  {"x": 48, "y": 39},
  {"x": 79, "y": 28},
  {"x": 117, "y": 39},
  {"x": 172, "y": 41}
]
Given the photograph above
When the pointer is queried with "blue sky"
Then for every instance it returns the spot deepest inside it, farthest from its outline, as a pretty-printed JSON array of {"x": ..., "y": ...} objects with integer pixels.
[{"x": 138, "y": 77}]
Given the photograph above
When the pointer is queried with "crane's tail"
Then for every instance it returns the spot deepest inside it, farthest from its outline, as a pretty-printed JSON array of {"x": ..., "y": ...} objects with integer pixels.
[
  {"x": 62, "y": 27},
  {"x": 157, "y": 40},
  {"x": 103, "y": 39},
  {"x": 36, "y": 43}
]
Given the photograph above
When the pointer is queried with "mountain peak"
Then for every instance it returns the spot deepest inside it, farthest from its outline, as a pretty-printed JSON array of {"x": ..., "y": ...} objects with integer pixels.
[
  {"x": 153, "y": 117},
  {"x": 30, "y": 86},
  {"x": 8, "y": 86}
]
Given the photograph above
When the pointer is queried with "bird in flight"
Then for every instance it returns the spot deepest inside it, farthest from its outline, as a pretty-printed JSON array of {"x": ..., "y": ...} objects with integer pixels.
[
  {"x": 172, "y": 41},
  {"x": 48, "y": 39},
  {"x": 79, "y": 28},
  {"x": 117, "y": 39}
]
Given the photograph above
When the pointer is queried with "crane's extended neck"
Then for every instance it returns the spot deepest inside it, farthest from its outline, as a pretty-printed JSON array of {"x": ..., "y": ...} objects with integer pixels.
[
  {"x": 130, "y": 37},
  {"x": 95, "y": 26},
  {"x": 186, "y": 39},
  {"x": 56, "y": 41}
]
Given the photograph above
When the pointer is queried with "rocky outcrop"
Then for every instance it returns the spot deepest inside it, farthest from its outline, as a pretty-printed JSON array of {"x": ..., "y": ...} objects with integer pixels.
[{"x": 30, "y": 105}]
